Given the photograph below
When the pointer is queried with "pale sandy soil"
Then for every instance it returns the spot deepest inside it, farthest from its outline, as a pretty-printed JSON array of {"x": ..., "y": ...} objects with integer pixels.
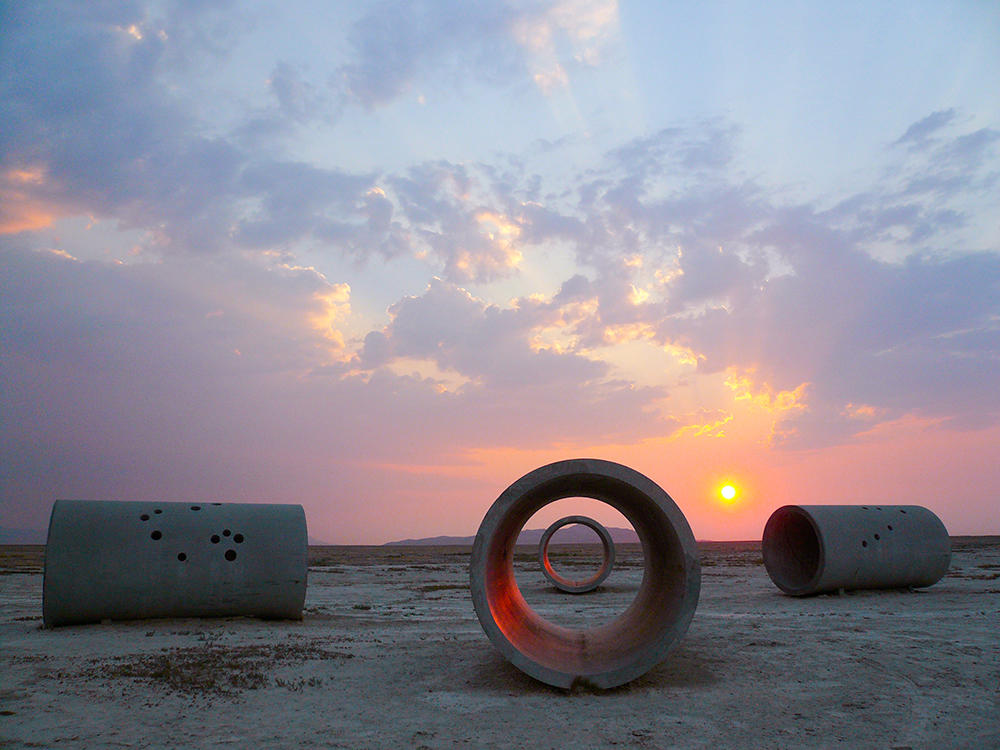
[{"x": 390, "y": 654}]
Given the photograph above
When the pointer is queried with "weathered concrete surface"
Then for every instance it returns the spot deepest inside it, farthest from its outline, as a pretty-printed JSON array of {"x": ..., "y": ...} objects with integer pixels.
[
  {"x": 566, "y": 584},
  {"x": 131, "y": 560},
  {"x": 812, "y": 549},
  {"x": 607, "y": 655}
]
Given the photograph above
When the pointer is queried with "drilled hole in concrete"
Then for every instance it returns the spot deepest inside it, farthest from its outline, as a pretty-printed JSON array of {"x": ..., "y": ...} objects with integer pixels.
[
  {"x": 226, "y": 532},
  {"x": 195, "y": 507},
  {"x": 877, "y": 537},
  {"x": 144, "y": 517},
  {"x": 181, "y": 556},
  {"x": 230, "y": 554},
  {"x": 864, "y": 544},
  {"x": 215, "y": 538},
  {"x": 889, "y": 527},
  {"x": 238, "y": 538},
  {"x": 156, "y": 535}
]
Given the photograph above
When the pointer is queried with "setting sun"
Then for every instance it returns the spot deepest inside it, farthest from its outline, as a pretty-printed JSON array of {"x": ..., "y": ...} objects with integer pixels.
[{"x": 728, "y": 492}]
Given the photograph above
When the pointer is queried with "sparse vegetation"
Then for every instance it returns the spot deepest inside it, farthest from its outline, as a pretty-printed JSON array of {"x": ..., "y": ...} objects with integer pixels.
[
  {"x": 210, "y": 669},
  {"x": 298, "y": 684}
]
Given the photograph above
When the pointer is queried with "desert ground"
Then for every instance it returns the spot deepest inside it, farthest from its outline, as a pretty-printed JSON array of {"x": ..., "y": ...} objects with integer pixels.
[{"x": 390, "y": 654}]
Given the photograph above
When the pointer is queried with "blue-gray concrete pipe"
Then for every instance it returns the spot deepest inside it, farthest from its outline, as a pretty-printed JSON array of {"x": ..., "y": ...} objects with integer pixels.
[
  {"x": 138, "y": 560},
  {"x": 812, "y": 549}
]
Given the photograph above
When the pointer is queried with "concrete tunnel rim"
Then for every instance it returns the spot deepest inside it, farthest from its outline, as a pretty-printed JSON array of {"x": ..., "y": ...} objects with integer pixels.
[
  {"x": 639, "y": 638},
  {"x": 568, "y": 585},
  {"x": 776, "y": 556}
]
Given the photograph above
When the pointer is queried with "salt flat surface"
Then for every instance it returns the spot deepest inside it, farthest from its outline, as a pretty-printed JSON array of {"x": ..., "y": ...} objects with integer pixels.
[{"x": 390, "y": 654}]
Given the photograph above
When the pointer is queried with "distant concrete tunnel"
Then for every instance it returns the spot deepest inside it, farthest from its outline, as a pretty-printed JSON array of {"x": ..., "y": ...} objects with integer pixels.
[
  {"x": 568, "y": 585},
  {"x": 608, "y": 655},
  {"x": 812, "y": 549},
  {"x": 137, "y": 560}
]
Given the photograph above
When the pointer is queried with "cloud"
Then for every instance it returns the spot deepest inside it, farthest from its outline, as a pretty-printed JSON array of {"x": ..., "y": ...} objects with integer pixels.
[
  {"x": 793, "y": 295},
  {"x": 215, "y": 360},
  {"x": 107, "y": 138},
  {"x": 203, "y": 317},
  {"x": 455, "y": 215},
  {"x": 945, "y": 164},
  {"x": 899, "y": 337},
  {"x": 395, "y": 43},
  {"x": 101, "y": 132},
  {"x": 296, "y": 96},
  {"x": 706, "y": 145},
  {"x": 222, "y": 376},
  {"x": 20, "y": 210},
  {"x": 296, "y": 200},
  {"x": 677, "y": 248},
  {"x": 920, "y": 132},
  {"x": 153, "y": 379},
  {"x": 564, "y": 36},
  {"x": 683, "y": 255},
  {"x": 484, "y": 343},
  {"x": 852, "y": 306}
]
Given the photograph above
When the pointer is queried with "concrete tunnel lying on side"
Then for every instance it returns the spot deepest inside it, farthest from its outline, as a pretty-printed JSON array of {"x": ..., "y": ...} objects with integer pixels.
[
  {"x": 109, "y": 560},
  {"x": 812, "y": 549},
  {"x": 637, "y": 640}
]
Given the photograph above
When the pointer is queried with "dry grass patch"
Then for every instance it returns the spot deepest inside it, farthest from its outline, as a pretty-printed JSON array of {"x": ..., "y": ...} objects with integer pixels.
[{"x": 208, "y": 669}]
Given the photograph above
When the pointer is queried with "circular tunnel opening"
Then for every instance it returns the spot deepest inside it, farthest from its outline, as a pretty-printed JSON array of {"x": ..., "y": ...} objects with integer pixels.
[
  {"x": 792, "y": 550},
  {"x": 605, "y": 655}
]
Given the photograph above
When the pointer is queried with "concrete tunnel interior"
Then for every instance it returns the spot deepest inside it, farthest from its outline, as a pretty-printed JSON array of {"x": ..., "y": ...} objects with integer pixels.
[{"x": 793, "y": 549}]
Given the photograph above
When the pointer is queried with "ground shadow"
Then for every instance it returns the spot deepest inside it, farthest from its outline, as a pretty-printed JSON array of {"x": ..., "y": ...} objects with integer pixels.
[{"x": 687, "y": 666}]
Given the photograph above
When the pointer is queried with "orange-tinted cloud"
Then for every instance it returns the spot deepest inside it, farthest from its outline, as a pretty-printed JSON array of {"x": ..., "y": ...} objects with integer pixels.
[{"x": 21, "y": 209}]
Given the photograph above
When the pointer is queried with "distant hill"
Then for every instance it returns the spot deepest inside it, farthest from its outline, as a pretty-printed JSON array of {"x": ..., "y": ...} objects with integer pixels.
[
  {"x": 574, "y": 534},
  {"x": 21, "y": 536},
  {"x": 440, "y": 541}
]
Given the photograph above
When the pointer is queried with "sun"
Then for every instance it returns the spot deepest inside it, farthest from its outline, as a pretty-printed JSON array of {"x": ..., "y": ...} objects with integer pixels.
[{"x": 728, "y": 492}]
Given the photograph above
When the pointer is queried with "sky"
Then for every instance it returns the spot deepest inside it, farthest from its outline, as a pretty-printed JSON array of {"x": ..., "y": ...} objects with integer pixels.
[{"x": 384, "y": 258}]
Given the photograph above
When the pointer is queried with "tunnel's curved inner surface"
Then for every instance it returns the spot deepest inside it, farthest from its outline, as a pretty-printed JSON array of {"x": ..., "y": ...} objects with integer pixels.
[{"x": 792, "y": 549}]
